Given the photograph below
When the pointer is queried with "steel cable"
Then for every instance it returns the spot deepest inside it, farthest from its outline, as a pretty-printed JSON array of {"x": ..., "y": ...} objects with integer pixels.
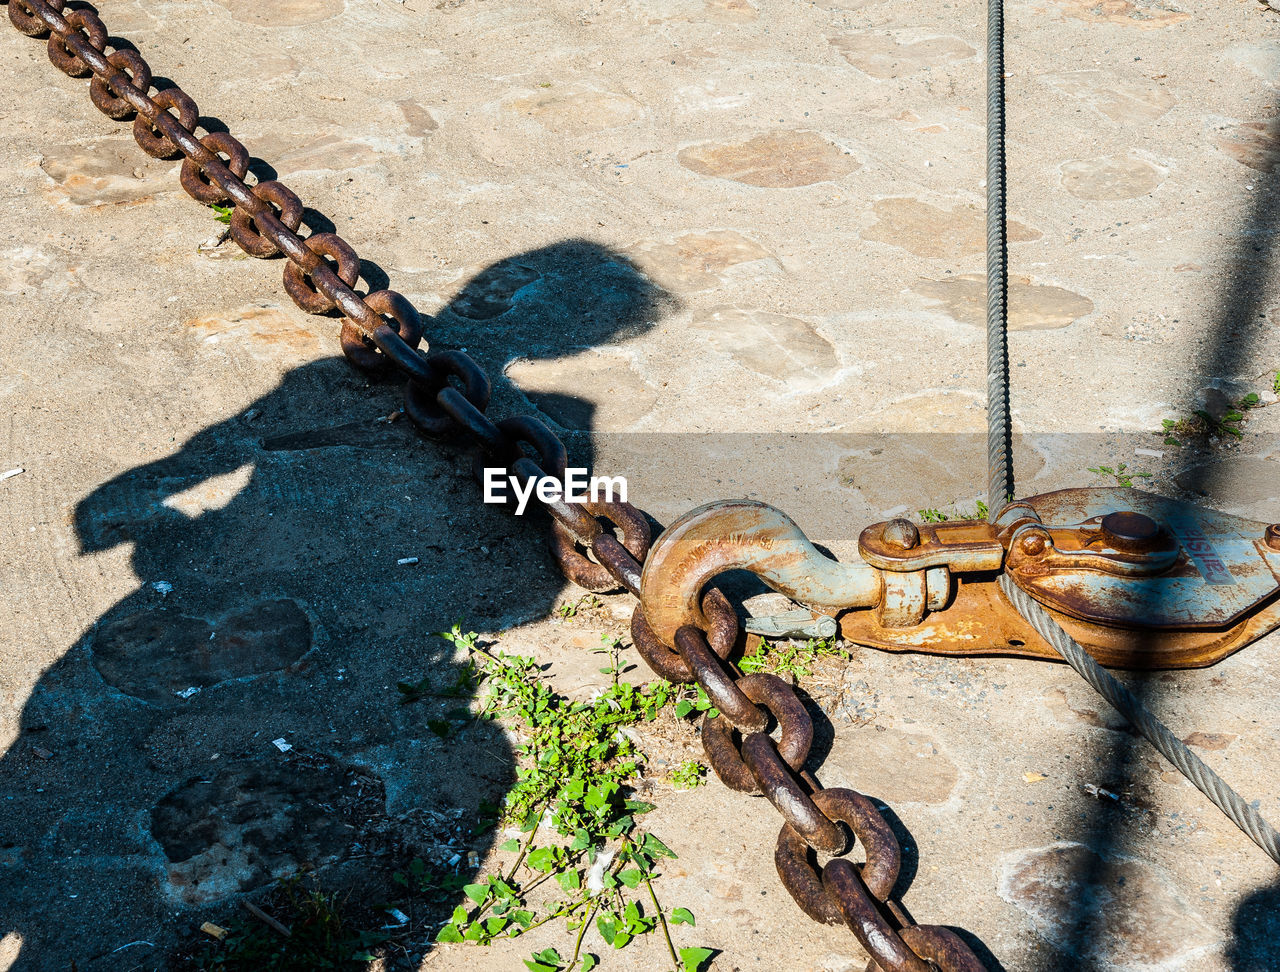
[
  {"x": 1156, "y": 732},
  {"x": 999, "y": 434},
  {"x": 1000, "y": 479}
]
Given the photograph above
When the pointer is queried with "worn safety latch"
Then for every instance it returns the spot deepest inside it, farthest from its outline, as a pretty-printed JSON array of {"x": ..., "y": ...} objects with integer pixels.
[{"x": 1140, "y": 580}]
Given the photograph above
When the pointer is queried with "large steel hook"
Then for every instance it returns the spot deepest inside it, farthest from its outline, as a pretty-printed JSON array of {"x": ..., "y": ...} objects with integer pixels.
[{"x": 744, "y": 535}]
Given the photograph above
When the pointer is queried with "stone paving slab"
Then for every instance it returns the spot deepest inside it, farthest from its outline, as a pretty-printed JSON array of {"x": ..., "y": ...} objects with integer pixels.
[{"x": 729, "y": 248}]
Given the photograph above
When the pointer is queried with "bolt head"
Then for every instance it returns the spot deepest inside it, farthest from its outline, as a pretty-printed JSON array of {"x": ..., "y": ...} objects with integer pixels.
[
  {"x": 1131, "y": 531},
  {"x": 1033, "y": 544},
  {"x": 901, "y": 533},
  {"x": 1273, "y": 536}
]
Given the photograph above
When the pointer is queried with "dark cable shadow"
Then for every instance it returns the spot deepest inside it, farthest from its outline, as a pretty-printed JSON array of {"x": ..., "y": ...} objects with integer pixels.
[
  {"x": 1255, "y": 927},
  {"x": 1107, "y": 828},
  {"x": 1243, "y": 322}
]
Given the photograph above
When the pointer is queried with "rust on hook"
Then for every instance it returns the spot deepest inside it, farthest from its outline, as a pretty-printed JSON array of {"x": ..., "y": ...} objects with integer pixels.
[{"x": 744, "y": 535}]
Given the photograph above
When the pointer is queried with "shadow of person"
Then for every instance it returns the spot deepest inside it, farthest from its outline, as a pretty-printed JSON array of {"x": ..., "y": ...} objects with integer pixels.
[{"x": 235, "y": 718}]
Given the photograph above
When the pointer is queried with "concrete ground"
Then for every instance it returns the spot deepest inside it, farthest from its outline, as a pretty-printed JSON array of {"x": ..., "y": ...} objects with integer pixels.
[{"x": 733, "y": 248}]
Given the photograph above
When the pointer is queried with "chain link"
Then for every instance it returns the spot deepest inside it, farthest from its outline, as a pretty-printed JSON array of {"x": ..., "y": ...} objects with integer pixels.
[
  {"x": 599, "y": 576},
  {"x": 111, "y": 103},
  {"x": 439, "y": 409},
  {"x": 804, "y": 881},
  {"x": 381, "y": 332},
  {"x": 795, "y": 728},
  {"x": 192, "y": 177},
  {"x": 722, "y": 634}
]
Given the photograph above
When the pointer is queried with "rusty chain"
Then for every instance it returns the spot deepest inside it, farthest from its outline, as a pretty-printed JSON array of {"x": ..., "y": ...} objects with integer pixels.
[{"x": 380, "y": 334}]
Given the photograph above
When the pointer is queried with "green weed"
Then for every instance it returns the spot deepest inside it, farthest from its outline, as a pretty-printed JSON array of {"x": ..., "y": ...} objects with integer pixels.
[
  {"x": 701, "y": 702},
  {"x": 221, "y": 213},
  {"x": 1201, "y": 425},
  {"x": 421, "y": 882},
  {"x": 323, "y": 934},
  {"x": 933, "y": 515},
  {"x": 688, "y": 775},
  {"x": 580, "y": 828},
  {"x": 611, "y": 646},
  {"x": 790, "y": 658},
  {"x": 463, "y": 686},
  {"x": 570, "y": 609},
  {"x": 1121, "y": 474}
]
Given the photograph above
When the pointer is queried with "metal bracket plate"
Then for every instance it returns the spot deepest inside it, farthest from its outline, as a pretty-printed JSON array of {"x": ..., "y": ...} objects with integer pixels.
[{"x": 1223, "y": 569}]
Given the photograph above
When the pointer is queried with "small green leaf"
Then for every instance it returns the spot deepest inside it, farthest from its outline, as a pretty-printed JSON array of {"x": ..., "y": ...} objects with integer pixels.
[
  {"x": 449, "y": 933},
  {"x": 541, "y": 859},
  {"x": 693, "y": 959},
  {"x": 441, "y": 727},
  {"x": 683, "y": 708},
  {"x": 682, "y": 916},
  {"x": 656, "y": 848},
  {"x": 570, "y": 880},
  {"x": 548, "y": 960},
  {"x": 589, "y": 962},
  {"x": 522, "y": 918},
  {"x": 631, "y": 878},
  {"x": 608, "y": 929},
  {"x": 631, "y": 913},
  {"x": 530, "y": 821},
  {"x": 476, "y": 892}
]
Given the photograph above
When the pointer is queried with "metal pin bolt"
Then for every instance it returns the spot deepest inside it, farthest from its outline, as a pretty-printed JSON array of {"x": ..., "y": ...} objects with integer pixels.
[
  {"x": 1273, "y": 536},
  {"x": 1130, "y": 531},
  {"x": 901, "y": 533},
  {"x": 1033, "y": 544}
]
